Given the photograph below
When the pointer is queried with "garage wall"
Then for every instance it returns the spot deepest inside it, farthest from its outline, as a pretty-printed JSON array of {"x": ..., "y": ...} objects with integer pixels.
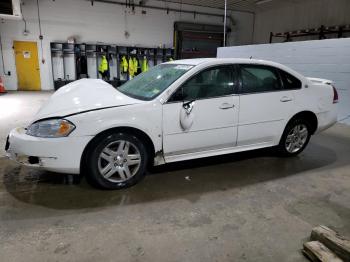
[
  {"x": 282, "y": 16},
  {"x": 104, "y": 23},
  {"x": 329, "y": 59}
]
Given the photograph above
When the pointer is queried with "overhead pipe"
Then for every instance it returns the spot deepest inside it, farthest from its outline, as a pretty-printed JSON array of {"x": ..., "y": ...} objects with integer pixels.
[
  {"x": 225, "y": 23},
  {"x": 167, "y": 9},
  {"x": 2, "y": 57}
]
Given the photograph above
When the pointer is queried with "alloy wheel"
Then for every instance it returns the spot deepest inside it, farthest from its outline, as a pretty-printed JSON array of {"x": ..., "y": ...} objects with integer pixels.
[
  {"x": 119, "y": 161},
  {"x": 296, "y": 138}
]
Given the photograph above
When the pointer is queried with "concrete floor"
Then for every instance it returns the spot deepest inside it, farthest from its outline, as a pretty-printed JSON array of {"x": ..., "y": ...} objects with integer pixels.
[{"x": 243, "y": 207}]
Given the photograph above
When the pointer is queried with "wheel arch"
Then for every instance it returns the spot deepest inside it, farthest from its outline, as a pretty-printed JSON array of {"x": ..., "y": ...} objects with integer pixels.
[
  {"x": 309, "y": 116},
  {"x": 145, "y": 138}
]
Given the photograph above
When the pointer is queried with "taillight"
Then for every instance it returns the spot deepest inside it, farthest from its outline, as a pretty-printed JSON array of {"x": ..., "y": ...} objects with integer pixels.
[{"x": 335, "y": 95}]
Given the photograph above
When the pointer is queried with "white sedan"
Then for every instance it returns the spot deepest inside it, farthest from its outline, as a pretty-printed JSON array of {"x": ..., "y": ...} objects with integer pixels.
[{"x": 176, "y": 111}]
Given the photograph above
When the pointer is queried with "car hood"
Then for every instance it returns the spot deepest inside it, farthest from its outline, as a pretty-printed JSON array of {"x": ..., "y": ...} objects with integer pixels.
[{"x": 81, "y": 96}]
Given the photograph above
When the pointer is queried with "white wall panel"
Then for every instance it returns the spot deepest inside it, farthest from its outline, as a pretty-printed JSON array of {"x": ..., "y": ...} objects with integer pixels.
[{"x": 329, "y": 59}]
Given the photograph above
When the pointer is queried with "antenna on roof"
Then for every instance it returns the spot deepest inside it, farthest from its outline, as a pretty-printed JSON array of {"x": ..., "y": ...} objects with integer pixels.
[{"x": 250, "y": 57}]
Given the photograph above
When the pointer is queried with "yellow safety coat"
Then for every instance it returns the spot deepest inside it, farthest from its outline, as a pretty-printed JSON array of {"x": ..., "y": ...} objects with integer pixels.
[
  {"x": 131, "y": 68},
  {"x": 103, "y": 67},
  {"x": 135, "y": 64},
  {"x": 124, "y": 65},
  {"x": 144, "y": 65}
]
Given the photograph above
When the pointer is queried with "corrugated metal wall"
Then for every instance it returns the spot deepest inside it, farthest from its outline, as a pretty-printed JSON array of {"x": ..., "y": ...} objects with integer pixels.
[{"x": 298, "y": 15}]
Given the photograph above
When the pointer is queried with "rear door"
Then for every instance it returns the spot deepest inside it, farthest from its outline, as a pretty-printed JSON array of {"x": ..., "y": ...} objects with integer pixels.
[{"x": 265, "y": 106}]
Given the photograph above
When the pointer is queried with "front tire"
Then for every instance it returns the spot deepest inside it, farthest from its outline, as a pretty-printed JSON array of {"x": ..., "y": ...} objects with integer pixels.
[
  {"x": 116, "y": 161},
  {"x": 295, "y": 138}
]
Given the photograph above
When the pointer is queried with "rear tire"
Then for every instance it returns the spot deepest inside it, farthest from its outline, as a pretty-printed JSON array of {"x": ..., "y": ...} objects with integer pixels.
[
  {"x": 295, "y": 138},
  {"x": 116, "y": 161}
]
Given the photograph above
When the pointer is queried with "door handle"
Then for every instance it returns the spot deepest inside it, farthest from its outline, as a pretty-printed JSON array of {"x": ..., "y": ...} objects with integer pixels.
[
  {"x": 226, "y": 106},
  {"x": 286, "y": 99}
]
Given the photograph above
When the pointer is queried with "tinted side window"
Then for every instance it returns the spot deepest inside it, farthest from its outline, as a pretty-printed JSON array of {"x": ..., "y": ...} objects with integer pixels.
[
  {"x": 212, "y": 82},
  {"x": 257, "y": 78},
  {"x": 289, "y": 81}
]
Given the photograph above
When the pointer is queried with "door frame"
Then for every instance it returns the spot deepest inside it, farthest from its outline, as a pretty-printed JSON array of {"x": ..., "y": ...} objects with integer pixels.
[
  {"x": 39, "y": 69},
  {"x": 235, "y": 75}
]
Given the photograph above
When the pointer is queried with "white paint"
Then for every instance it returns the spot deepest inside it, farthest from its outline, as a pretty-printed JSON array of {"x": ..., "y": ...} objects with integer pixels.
[
  {"x": 328, "y": 59},
  {"x": 212, "y": 126},
  {"x": 262, "y": 116},
  {"x": 81, "y": 95},
  {"x": 214, "y": 130},
  {"x": 104, "y": 23}
]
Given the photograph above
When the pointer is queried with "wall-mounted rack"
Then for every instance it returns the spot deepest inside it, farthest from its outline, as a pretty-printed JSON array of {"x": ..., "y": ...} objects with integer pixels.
[
  {"x": 67, "y": 64},
  {"x": 323, "y": 32}
]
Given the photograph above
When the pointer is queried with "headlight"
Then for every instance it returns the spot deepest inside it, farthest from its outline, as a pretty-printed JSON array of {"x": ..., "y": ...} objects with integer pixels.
[{"x": 51, "y": 128}]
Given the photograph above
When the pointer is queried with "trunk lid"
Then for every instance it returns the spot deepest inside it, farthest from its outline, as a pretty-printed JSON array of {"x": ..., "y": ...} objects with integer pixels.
[{"x": 320, "y": 81}]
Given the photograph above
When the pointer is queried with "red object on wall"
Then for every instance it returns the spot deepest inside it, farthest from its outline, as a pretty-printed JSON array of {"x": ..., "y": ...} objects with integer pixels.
[{"x": 2, "y": 87}]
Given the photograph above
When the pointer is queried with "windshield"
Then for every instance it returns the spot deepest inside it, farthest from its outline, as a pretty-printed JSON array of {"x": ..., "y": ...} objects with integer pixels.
[{"x": 150, "y": 84}]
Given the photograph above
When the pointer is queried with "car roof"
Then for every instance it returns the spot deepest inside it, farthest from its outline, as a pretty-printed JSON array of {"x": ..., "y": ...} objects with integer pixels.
[
  {"x": 194, "y": 61},
  {"x": 218, "y": 61},
  {"x": 213, "y": 61}
]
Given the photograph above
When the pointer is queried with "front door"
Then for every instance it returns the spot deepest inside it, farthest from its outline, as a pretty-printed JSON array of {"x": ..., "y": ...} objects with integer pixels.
[
  {"x": 202, "y": 114},
  {"x": 27, "y": 65}
]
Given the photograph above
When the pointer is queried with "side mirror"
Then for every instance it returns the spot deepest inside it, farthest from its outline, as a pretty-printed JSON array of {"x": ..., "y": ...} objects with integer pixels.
[
  {"x": 186, "y": 115},
  {"x": 188, "y": 106}
]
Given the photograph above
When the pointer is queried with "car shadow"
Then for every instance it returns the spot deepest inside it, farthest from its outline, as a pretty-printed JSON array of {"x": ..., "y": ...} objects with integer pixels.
[{"x": 187, "y": 180}]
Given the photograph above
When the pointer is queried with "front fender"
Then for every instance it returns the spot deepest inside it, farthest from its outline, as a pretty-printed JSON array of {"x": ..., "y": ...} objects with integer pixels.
[{"x": 146, "y": 117}]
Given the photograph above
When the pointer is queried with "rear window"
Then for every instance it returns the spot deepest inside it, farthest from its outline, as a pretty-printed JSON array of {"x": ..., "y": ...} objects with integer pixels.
[
  {"x": 289, "y": 81},
  {"x": 259, "y": 78}
]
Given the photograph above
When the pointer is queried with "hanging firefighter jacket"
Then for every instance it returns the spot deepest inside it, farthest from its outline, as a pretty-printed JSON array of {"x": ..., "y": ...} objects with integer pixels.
[
  {"x": 131, "y": 68},
  {"x": 103, "y": 68},
  {"x": 144, "y": 64},
  {"x": 135, "y": 63},
  {"x": 124, "y": 65}
]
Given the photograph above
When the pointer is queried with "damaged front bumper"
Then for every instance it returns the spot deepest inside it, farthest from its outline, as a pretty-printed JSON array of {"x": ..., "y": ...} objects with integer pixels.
[{"x": 54, "y": 154}]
